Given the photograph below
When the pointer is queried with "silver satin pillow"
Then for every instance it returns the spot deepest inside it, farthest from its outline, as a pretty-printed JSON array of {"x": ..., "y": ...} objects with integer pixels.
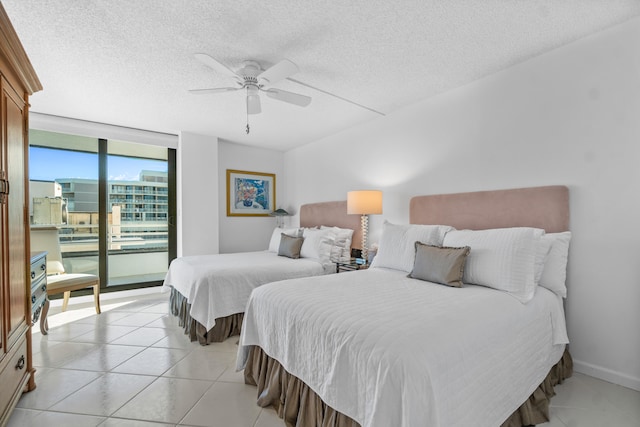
[
  {"x": 290, "y": 246},
  {"x": 437, "y": 264}
]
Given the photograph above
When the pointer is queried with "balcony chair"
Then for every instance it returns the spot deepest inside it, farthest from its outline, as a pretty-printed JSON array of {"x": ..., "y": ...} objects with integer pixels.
[{"x": 58, "y": 281}]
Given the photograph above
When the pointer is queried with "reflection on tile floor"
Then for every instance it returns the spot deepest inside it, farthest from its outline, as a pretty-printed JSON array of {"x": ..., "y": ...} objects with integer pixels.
[{"x": 132, "y": 366}]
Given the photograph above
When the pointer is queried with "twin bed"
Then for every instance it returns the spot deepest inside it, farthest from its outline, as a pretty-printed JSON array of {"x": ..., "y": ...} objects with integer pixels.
[
  {"x": 381, "y": 348},
  {"x": 209, "y": 292}
]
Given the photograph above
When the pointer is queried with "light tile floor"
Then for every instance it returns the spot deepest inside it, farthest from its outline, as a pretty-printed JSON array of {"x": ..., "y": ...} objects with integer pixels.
[{"x": 132, "y": 366}]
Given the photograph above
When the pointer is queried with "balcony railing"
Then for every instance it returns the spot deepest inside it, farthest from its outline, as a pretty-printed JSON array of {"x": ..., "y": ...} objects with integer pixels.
[{"x": 127, "y": 237}]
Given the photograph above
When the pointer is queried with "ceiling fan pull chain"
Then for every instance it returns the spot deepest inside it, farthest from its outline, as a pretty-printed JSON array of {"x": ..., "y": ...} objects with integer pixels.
[{"x": 247, "y": 101}]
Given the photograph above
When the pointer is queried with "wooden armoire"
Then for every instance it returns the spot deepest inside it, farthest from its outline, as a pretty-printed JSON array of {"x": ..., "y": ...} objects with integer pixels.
[{"x": 17, "y": 81}]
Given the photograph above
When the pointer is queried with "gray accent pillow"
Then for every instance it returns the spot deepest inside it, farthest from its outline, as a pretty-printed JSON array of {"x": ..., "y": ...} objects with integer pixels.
[
  {"x": 444, "y": 265},
  {"x": 290, "y": 246}
]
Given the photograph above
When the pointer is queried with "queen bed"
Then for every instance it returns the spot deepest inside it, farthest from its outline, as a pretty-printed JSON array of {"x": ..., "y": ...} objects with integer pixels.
[
  {"x": 386, "y": 346},
  {"x": 209, "y": 292}
]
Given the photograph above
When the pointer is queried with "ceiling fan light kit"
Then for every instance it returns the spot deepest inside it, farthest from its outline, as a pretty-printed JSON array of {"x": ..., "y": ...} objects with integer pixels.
[{"x": 253, "y": 79}]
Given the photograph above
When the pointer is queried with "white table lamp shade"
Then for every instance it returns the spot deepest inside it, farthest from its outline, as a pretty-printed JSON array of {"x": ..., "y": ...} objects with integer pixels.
[{"x": 364, "y": 202}]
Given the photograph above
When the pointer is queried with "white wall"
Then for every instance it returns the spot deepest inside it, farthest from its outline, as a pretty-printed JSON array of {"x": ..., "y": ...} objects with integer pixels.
[
  {"x": 572, "y": 117},
  {"x": 197, "y": 198},
  {"x": 244, "y": 234}
]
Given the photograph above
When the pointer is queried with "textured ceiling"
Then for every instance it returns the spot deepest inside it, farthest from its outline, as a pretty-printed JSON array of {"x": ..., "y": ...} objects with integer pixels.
[{"x": 130, "y": 63}]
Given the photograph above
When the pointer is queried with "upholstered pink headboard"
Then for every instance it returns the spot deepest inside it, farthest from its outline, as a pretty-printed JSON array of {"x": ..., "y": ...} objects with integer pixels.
[
  {"x": 331, "y": 214},
  {"x": 540, "y": 207}
]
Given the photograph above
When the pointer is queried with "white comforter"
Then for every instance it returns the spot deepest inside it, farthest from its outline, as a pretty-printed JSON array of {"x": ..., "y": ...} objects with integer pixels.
[
  {"x": 220, "y": 285},
  {"x": 387, "y": 350}
]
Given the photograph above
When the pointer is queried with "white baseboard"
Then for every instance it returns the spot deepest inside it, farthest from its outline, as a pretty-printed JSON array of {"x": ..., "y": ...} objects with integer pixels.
[{"x": 605, "y": 374}]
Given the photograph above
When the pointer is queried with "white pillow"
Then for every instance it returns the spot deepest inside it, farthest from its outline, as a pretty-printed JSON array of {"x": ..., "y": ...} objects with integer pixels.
[
  {"x": 542, "y": 251},
  {"x": 274, "y": 243},
  {"x": 554, "y": 274},
  {"x": 501, "y": 258},
  {"x": 316, "y": 244},
  {"x": 340, "y": 250},
  {"x": 396, "y": 248}
]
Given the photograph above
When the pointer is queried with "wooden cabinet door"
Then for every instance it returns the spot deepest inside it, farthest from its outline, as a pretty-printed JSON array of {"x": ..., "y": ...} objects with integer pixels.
[
  {"x": 13, "y": 135},
  {"x": 4, "y": 227}
]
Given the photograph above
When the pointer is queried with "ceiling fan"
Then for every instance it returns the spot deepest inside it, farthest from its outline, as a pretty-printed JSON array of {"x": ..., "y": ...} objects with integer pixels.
[{"x": 254, "y": 80}]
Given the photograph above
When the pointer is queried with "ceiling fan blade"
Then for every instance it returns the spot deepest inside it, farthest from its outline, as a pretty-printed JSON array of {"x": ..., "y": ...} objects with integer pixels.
[
  {"x": 253, "y": 104},
  {"x": 281, "y": 70},
  {"x": 290, "y": 97},
  {"x": 217, "y": 66},
  {"x": 213, "y": 90}
]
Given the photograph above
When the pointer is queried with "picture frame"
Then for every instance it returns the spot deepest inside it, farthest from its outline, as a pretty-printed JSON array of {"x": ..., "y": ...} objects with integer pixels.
[{"x": 250, "y": 193}]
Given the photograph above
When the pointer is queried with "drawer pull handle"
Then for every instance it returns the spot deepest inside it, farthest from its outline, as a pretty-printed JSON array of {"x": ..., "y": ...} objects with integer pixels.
[
  {"x": 33, "y": 299},
  {"x": 33, "y": 274},
  {"x": 44, "y": 288},
  {"x": 20, "y": 364},
  {"x": 43, "y": 267}
]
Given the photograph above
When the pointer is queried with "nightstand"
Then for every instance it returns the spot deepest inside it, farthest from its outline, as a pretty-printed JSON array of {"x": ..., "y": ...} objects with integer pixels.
[{"x": 350, "y": 266}]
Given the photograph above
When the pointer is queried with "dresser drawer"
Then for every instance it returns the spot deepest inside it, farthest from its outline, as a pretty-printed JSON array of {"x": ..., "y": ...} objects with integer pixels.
[
  {"x": 38, "y": 293},
  {"x": 14, "y": 372},
  {"x": 38, "y": 269}
]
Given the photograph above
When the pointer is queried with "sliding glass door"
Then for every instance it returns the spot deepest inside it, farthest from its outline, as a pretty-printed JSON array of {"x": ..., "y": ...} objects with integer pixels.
[
  {"x": 138, "y": 211},
  {"x": 116, "y": 200}
]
